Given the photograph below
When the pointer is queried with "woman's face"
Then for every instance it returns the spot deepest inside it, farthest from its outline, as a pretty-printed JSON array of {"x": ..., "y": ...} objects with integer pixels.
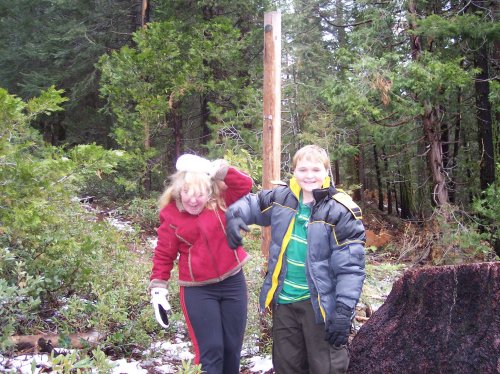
[{"x": 194, "y": 202}]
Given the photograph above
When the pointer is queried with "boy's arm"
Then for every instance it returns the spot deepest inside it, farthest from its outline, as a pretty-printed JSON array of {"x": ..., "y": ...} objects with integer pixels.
[
  {"x": 254, "y": 209},
  {"x": 348, "y": 265},
  {"x": 348, "y": 257},
  {"x": 250, "y": 209}
]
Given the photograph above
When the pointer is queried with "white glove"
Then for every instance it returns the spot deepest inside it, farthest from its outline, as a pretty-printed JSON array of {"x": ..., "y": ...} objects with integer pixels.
[
  {"x": 192, "y": 163},
  {"x": 160, "y": 305},
  {"x": 218, "y": 169}
]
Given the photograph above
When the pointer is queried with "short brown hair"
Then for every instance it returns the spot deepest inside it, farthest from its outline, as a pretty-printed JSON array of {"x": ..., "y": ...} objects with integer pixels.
[{"x": 312, "y": 153}]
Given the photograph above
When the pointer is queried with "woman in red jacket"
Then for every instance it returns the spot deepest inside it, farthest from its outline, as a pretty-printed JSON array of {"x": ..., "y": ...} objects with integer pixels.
[{"x": 213, "y": 291}]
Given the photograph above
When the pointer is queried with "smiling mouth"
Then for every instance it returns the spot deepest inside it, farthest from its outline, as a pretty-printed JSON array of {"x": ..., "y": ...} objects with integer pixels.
[{"x": 195, "y": 209}]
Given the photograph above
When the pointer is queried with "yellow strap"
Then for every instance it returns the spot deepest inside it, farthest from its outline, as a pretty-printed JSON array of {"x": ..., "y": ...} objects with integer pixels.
[
  {"x": 346, "y": 201},
  {"x": 279, "y": 264}
]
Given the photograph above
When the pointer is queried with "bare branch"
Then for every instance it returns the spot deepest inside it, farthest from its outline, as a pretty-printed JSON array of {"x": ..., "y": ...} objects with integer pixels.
[{"x": 324, "y": 16}]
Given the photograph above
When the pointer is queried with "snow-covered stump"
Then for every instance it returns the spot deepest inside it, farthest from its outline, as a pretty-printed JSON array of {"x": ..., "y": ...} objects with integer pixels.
[{"x": 435, "y": 320}]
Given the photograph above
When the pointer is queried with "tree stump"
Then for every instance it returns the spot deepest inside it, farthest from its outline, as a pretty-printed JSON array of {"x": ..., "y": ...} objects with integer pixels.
[{"x": 435, "y": 320}]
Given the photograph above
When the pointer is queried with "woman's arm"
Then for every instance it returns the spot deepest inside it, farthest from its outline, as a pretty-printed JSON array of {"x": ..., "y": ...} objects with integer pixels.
[
  {"x": 166, "y": 250},
  {"x": 238, "y": 185}
]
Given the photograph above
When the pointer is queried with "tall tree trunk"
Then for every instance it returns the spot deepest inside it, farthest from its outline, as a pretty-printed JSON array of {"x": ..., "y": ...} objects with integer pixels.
[
  {"x": 336, "y": 166},
  {"x": 456, "y": 147},
  {"x": 469, "y": 161},
  {"x": 396, "y": 199},
  {"x": 205, "y": 113},
  {"x": 379, "y": 180},
  {"x": 145, "y": 12},
  {"x": 339, "y": 15},
  {"x": 362, "y": 172},
  {"x": 406, "y": 195},
  {"x": 53, "y": 130},
  {"x": 430, "y": 122},
  {"x": 484, "y": 119},
  {"x": 358, "y": 164},
  {"x": 388, "y": 182},
  {"x": 445, "y": 142},
  {"x": 175, "y": 122}
]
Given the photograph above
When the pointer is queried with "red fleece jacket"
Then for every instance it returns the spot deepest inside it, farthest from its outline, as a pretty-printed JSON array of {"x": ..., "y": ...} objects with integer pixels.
[{"x": 199, "y": 241}]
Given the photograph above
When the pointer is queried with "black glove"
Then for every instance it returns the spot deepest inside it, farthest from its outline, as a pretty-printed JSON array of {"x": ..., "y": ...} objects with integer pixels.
[
  {"x": 233, "y": 227},
  {"x": 339, "y": 325}
]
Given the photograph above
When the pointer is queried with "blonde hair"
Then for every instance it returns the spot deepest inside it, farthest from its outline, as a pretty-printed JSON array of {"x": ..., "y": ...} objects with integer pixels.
[
  {"x": 311, "y": 153},
  {"x": 196, "y": 184}
]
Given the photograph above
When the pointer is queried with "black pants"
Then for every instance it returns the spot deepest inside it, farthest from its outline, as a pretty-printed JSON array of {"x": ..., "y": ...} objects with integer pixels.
[
  {"x": 299, "y": 345},
  {"x": 216, "y": 316}
]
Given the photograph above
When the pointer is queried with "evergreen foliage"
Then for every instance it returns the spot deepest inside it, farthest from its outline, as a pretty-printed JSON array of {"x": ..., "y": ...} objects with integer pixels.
[
  {"x": 403, "y": 95},
  {"x": 45, "y": 43},
  {"x": 186, "y": 83},
  {"x": 53, "y": 253}
]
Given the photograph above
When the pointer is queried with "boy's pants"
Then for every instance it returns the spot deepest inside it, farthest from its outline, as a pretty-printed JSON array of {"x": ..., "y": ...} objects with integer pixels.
[
  {"x": 216, "y": 316},
  {"x": 299, "y": 345}
]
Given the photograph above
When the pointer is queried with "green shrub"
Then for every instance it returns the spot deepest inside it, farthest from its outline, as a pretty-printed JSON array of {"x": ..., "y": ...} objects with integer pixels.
[
  {"x": 60, "y": 269},
  {"x": 487, "y": 209},
  {"x": 187, "y": 367},
  {"x": 143, "y": 211},
  {"x": 246, "y": 162}
]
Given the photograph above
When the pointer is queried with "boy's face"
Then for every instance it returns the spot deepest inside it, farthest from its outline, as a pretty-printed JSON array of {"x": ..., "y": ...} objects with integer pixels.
[{"x": 310, "y": 174}]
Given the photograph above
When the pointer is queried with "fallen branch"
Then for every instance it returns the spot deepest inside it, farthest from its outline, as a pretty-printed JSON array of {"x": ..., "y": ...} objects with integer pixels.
[
  {"x": 362, "y": 319},
  {"x": 45, "y": 342}
]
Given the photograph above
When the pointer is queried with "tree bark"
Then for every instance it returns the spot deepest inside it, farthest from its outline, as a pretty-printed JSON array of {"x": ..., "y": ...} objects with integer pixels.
[
  {"x": 456, "y": 148},
  {"x": 379, "y": 180},
  {"x": 388, "y": 182},
  {"x": 175, "y": 123},
  {"x": 395, "y": 199},
  {"x": 145, "y": 13},
  {"x": 205, "y": 113},
  {"x": 442, "y": 319},
  {"x": 406, "y": 196},
  {"x": 362, "y": 172},
  {"x": 430, "y": 122},
  {"x": 336, "y": 168},
  {"x": 484, "y": 119},
  {"x": 358, "y": 164}
]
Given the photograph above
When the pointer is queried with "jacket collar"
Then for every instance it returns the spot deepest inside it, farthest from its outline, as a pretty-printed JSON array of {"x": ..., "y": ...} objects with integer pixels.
[
  {"x": 294, "y": 186},
  {"x": 322, "y": 193}
]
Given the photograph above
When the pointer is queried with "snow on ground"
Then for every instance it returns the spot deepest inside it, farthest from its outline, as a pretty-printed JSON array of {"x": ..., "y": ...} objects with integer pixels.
[
  {"x": 122, "y": 366},
  {"x": 168, "y": 359},
  {"x": 260, "y": 364},
  {"x": 22, "y": 364}
]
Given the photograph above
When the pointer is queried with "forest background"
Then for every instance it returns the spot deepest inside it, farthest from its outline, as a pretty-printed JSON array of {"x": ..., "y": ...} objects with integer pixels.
[{"x": 98, "y": 98}]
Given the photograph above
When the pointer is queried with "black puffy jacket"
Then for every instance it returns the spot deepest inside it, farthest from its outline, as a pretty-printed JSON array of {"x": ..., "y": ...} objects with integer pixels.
[{"x": 335, "y": 265}]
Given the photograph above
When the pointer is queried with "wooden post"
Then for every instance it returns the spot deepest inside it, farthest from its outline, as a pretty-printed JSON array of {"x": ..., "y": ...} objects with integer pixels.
[
  {"x": 272, "y": 108},
  {"x": 144, "y": 13}
]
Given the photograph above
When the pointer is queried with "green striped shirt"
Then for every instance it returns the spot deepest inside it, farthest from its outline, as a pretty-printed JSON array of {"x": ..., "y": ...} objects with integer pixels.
[{"x": 295, "y": 286}]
